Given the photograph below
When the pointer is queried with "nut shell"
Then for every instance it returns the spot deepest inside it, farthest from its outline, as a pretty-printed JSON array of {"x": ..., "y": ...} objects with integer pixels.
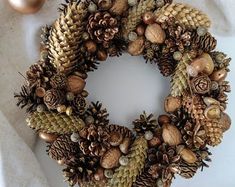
[
  {"x": 162, "y": 119},
  {"x": 115, "y": 138},
  {"x": 75, "y": 84},
  {"x": 171, "y": 135},
  {"x": 155, "y": 34},
  {"x": 124, "y": 146},
  {"x": 225, "y": 121},
  {"x": 111, "y": 158},
  {"x": 136, "y": 47},
  {"x": 219, "y": 75},
  {"x": 119, "y": 7},
  {"x": 172, "y": 104},
  {"x": 188, "y": 155}
]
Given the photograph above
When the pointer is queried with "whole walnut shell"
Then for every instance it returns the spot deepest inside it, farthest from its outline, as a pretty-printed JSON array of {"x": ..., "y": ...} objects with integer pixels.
[
  {"x": 155, "y": 34},
  {"x": 171, "y": 135},
  {"x": 136, "y": 47}
]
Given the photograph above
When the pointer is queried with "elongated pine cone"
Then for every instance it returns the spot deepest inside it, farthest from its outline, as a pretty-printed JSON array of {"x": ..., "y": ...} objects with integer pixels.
[
  {"x": 206, "y": 42},
  {"x": 125, "y": 176},
  {"x": 102, "y": 27},
  {"x": 135, "y": 15},
  {"x": 144, "y": 180},
  {"x": 63, "y": 148},
  {"x": 94, "y": 140},
  {"x": 184, "y": 14},
  {"x": 65, "y": 36},
  {"x": 51, "y": 122}
]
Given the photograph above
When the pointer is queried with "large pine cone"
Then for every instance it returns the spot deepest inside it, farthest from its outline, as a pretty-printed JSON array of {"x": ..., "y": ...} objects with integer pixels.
[
  {"x": 94, "y": 140},
  {"x": 102, "y": 27}
]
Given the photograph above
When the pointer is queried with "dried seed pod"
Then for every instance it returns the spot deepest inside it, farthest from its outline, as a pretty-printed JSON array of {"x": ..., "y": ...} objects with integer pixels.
[
  {"x": 155, "y": 34},
  {"x": 111, "y": 158},
  {"x": 201, "y": 84},
  {"x": 171, "y": 135},
  {"x": 172, "y": 104}
]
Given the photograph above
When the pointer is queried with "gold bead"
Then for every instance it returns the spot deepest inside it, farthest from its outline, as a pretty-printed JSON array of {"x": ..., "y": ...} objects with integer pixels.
[
  {"x": 162, "y": 119},
  {"x": 69, "y": 111},
  {"x": 47, "y": 137}
]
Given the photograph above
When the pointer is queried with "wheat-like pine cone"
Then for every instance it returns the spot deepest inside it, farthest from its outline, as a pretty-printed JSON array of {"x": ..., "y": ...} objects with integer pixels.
[
  {"x": 125, "y": 176},
  {"x": 51, "y": 122},
  {"x": 144, "y": 180},
  {"x": 184, "y": 14},
  {"x": 93, "y": 183},
  {"x": 135, "y": 15},
  {"x": 62, "y": 148},
  {"x": 65, "y": 36},
  {"x": 179, "y": 81},
  {"x": 206, "y": 42}
]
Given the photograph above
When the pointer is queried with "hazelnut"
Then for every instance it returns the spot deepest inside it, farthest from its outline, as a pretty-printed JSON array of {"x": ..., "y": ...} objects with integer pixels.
[
  {"x": 119, "y": 7},
  {"x": 101, "y": 55},
  {"x": 90, "y": 46},
  {"x": 155, "y": 34},
  {"x": 171, "y": 135},
  {"x": 162, "y": 119},
  {"x": 40, "y": 92},
  {"x": 75, "y": 84},
  {"x": 188, "y": 155},
  {"x": 171, "y": 104},
  {"x": 155, "y": 141},
  {"x": 136, "y": 47}
]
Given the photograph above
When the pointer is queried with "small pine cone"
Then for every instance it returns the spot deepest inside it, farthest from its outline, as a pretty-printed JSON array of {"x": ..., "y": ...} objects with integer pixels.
[
  {"x": 187, "y": 170},
  {"x": 184, "y": 14},
  {"x": 144, "y": 180},
  {"x": 179, "y": 81},
  {"x": 125, "y": 176},
  {"x": 62, "y": 148},
  {"x": 206, "y": 42},
  {"x": 124, "y": 131},
  {"x": 53, "y": 98},
  {"x": 145, "y": 123},
  {"x": 220, "y": 60},
  {"x": 166, "y": 64},
  {"x": 34, "y": 74},
  {"x": 201, "y": 84},
  {"x": 94, "y": 140},
  {"x": 79, "y": 105},
  {"x": 50, "y": 122},
  {"x": 58, "y": 81},
  {"x": 214, "y": 132},
  {"x": 65, "y": 36},
  {"x": 135, "y": 15},
  {"x": 99, "y": 114},
  {"x": 102, "y": 27}
]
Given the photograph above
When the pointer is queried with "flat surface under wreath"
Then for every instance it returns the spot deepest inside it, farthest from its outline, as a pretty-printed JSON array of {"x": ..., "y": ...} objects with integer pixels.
[{"x": 172, "y": 36}]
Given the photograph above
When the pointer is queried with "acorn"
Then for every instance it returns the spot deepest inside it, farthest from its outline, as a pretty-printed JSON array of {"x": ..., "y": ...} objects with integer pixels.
[
  {"x": 171, "y": 135},
  {"x": 172, "y": 104},
  {"x": 75, "y": 84},
  {"x": 115, "y": 138},
  {"x": 140, "y": 29},
  {"x": 155, "y": 34},
  {"x": 136, "y": 47},
  {"x": 225, "y": 121},
  {"x": 101, "y": 55},
  {"x": 49, "y": 138},
  {"x": 148, "y": 18},
  {"x": 162, "y": 119},
  {"x": 110, "y": 159},
  {"x": 124, "y": 146},
  {"x": 187, "y": 155},
  {"x": 219, "y": 75},
  {"x": 212, "y": 112},
  {"x": 90, "y": 46}
]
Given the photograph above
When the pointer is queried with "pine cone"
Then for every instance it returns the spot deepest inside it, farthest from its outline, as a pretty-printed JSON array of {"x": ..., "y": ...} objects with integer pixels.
[
  {"x": 58, "y": 81},
  {"x": 94, "y": 140},
  {"x": 102, "y": 27},
  {"x": 124, "y": 131},
  {"x": 79, "y": 105},
  {"x": 63, "y": 148},
  {"x": 99, "y": 114},
  {"x": 184, "y": 14},
  {"x": 188, "y": 170},
  {"x": 80, "y": 168},
  {"x": 65, "y": 36},
  {"x": 166, "y": 64},
  {"x": 50, "y": 122},
  {"x": 206, "y": 43},
  {"x": 151, "y": 52},
  {"x": 125, "y": 176},
  {"x": 220, "y": 60},
  {"x": 201, "y": 84},
  {"x": 179, "y": 81},
  {"x": 135, "y": 15},
  {"x": 145, "y": 123},
  {"x": 53, "y": 98},
  {"x": 144, "y": 180}
]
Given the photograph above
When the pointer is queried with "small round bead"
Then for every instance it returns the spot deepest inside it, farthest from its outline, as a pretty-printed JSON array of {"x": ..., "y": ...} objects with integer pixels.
[
  {"x": 70, "y": 96},
  {"x": 74, "y": 137},
  {"x": 89, "y": 120},
  {"x": 132, "y": 36},
  {"x": 123, "y": 160},
  {"x": 192, "y": 71},
  {"x": 177, "y": 55},
  {"x": 160, "y": 3},
  {"x": 148, "y": 135},
  {"x": 92, "y": 7},
  {"x": 201, "y": 31},
  {"x": 108, "y": 173},
  {"x": 69, "y": 111},
  {"x": 41, "y": 108},
  {"x": 132, "y": 2},
  {"x": 85, "y": 36},
  {"x": 214, "y": 85}
]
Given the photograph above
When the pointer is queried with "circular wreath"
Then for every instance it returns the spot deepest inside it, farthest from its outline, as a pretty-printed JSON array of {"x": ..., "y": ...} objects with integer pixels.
[{"x": 173, "y": 36}]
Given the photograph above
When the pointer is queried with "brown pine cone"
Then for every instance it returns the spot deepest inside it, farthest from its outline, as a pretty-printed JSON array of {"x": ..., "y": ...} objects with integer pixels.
[
  {"x": 188, "y": 170},
  {"x": 124, "y": 131},
  {"x": 58, "y": 81},
  {"x": 166, "y": 64},
  {"x": 94, "y": 140},
  {"x": 144, "y": 180},
  {"x": 63, "y": 148},
  {"x": 102, "y": 27},
  {"x": 79, "y": 105},
  {"x": 201, "y": 84},
  {"x": 53, "y": 98},
  {"x": 206, "y": 43}
]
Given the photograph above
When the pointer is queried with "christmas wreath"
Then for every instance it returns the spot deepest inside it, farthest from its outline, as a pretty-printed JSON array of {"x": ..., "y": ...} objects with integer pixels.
[{"x": 173, "y": 36}]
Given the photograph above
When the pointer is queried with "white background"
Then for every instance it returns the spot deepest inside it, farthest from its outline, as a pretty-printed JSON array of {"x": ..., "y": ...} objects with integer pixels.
[{"x": 126, "y": 86}]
